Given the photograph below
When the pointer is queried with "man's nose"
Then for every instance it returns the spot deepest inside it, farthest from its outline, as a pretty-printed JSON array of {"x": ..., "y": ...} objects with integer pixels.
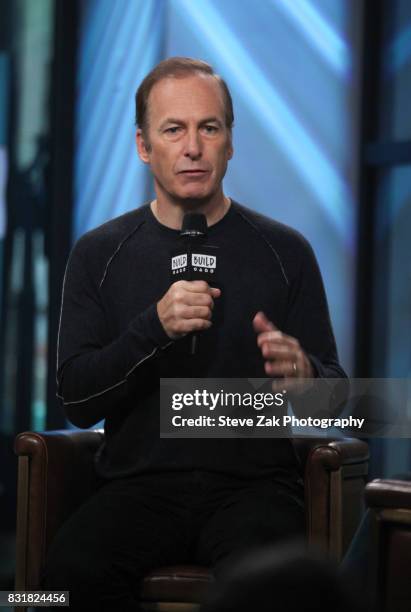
[{"x": 193, "y": 145}]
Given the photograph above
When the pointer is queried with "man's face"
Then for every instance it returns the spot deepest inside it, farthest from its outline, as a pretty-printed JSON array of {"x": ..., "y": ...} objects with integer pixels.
[{"x": 189, "y": 145}]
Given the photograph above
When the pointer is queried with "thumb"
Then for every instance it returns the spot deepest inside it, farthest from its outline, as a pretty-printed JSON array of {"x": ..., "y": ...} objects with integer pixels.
[{"x": 261, "y": 323}]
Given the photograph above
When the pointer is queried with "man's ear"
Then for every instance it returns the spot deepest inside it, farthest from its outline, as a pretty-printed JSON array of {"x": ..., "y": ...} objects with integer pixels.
[
  {"x": 141, "y": 147},
  {"x": 230, "y": 148}
]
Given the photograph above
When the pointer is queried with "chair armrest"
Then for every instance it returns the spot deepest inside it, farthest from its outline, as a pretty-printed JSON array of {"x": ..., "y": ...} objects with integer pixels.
[
  {"x": 388, "y": 493},
  {"x": 331, "y": 453},
  {"x": 335, "y": 473},
  {"x": 55, "y": 475},
  {"x": 389, "y": 501}
]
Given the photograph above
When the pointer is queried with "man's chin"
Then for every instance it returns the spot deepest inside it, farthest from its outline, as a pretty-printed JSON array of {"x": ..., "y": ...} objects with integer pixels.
[{"x": 193, "y": 200}]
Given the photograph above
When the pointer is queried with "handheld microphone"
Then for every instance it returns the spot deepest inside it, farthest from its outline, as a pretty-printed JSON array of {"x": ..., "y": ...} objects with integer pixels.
[
  {"x": 194, "y": 226},
  {"x": 194, "y": 260}
]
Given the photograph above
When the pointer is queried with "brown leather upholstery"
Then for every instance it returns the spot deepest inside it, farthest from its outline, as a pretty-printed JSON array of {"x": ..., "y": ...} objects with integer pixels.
[
  {"x": 335, "y": 473},
  {"x": 56, "y": 474},
  {"x": 389, "y": 493},
  {"x": 178, "y": 583},
  {"x": 390, "y": 504}
]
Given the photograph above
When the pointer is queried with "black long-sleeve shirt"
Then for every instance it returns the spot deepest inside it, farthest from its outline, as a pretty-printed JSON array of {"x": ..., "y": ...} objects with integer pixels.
[{"x": 112, "y": 348}]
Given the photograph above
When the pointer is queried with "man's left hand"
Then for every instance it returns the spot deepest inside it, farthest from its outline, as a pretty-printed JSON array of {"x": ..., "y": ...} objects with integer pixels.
[{"x": 283, "y": 355}]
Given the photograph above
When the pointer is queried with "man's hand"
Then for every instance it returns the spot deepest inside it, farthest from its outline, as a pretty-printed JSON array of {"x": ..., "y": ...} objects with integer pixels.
[
  {"x": 187, "y": 306},
  {"x": 283, "y": 354}
]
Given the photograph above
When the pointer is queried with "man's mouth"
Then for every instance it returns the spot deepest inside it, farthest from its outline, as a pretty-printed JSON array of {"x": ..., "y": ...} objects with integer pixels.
[{"x": 194, "y": 171}]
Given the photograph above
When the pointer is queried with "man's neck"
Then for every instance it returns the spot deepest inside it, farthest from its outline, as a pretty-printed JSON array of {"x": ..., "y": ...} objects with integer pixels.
[{"x": 171, "y": 215}]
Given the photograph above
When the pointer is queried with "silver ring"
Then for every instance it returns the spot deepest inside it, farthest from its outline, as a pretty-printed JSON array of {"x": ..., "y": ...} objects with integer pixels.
[{"x": 295, "y": 368}]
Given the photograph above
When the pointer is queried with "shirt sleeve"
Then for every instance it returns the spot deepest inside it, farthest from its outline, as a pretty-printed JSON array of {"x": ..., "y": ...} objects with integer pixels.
[
  {"x": 308, "y": 317},
  {"x": 309, "y": 321},
  {"x": 96, "y": 375}
]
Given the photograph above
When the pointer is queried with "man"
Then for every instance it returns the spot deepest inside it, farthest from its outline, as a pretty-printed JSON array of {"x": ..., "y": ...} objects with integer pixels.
[{"x": 124, "y": 325}]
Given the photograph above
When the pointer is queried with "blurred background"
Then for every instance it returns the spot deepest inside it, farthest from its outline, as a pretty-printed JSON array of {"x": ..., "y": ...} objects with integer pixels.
[{"x": 322, "y": 136}]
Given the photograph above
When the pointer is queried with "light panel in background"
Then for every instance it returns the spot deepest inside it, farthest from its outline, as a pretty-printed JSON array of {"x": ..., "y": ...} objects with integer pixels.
[
  {"x": 291, "y": 67},
  {"x": 391, "y": 351},
  {"x": 392, "y": 329},
  {"x": 4, "y": 87},
  {"x": 393, "y": 206},
  {"x": 395, "y": 87},
  {"x": 119, "y": 43}
]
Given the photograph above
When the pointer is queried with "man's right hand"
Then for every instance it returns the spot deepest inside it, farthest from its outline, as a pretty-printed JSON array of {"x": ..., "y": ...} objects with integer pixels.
[{"x": 186, "y": 307}]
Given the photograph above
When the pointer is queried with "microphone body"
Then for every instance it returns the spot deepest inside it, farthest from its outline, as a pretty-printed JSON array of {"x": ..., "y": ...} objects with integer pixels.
[{"x": 193, "y": 260}]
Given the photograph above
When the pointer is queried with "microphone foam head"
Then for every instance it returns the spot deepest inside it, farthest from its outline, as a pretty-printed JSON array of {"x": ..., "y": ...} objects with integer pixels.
[{"x": 194, "y": 225}]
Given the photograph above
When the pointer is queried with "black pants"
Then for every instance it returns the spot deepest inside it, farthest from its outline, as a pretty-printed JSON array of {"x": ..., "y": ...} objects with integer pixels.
[{"x": 132, "y": 525}]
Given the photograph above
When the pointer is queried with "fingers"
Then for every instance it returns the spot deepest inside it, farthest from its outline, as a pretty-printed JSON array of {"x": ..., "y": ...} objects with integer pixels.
[
  {"x": 277, "y": 337},
  {"x": 193, "y": 304},
  {"x": 195, "y": 312},
  {"x": 185, "y": 326},
  {"x": 283, "y": 356},
  {"x": 199, "y": 299},
  {"x": 186, "y": 307},
  {"x": 199, "y": 286},
  {"x": 262, "y": 324},
  {"x": 284, "y": 368},
  {"x": 282, "y": 353}
]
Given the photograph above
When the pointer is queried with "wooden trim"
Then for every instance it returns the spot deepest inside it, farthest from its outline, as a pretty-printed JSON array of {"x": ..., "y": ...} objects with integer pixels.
[
  {"x": 376, "y": 574},
  {"x": 354, "y": 470},
  {"x": 23, "y": 483},
  {"x": 396, "y": 515},
  {"x": 335, "y": 518},
  {"x": 22, "y": 522}
]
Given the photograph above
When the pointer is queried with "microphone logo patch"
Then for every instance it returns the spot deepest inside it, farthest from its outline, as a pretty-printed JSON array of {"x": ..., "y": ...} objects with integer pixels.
[
  {"x": 204, "y": 262},
  {"x": 179, "y": 263}
]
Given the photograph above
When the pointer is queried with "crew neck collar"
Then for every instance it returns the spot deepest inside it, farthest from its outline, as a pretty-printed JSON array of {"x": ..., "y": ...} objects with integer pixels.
[{"x": 176, "y": 232}]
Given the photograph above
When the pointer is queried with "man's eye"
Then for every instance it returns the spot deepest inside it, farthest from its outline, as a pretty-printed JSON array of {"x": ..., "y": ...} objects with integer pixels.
[
  {"x": 210, "y": 129},
  {"x": 172, "y": 130}
]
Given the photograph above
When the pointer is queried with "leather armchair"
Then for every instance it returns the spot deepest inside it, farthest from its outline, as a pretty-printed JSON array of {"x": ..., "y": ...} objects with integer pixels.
[
  {"x": 55, "y": 475},
  {"x": 389, "y": 502}
]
